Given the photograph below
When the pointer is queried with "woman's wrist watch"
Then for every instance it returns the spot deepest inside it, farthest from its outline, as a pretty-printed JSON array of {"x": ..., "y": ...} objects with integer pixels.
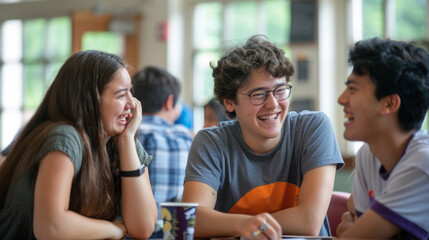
[{"x": 134, "y": 173}]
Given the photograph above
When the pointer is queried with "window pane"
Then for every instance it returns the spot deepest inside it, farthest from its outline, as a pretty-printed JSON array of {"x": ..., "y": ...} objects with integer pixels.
[
  {"x": 372, "y": 18},
  {"x": 208, "y": 25},
  {"x": 34, "y": 88},
  {"x": 12, "y": 86},
  {"x": 12, "y": 121},
  {"x": 410, "y": 19},
  {"x": 12, "y": 40},
  {"x": 103, "y": 41},
  {"x": 34, "y": 39},
  {"x": 277, "y": 19},
  {"x": 203, "y": 80},
  {"x": 59, "y": 38},
  {"x": 11, "y": 117},
  {"x": 241, "y": 21},
  {"x": 51, "y": 72}
]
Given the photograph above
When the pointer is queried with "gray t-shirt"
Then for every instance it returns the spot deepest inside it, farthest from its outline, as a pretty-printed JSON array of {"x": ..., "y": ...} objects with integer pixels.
[
  {"x": 16, "y": 219},
  {"x": 252, "y": 183},
  {"x": 400, "y": 196}
]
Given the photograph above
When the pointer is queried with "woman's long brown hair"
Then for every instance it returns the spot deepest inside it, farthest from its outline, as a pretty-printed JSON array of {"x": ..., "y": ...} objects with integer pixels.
[{"x": 74, "y": 98}]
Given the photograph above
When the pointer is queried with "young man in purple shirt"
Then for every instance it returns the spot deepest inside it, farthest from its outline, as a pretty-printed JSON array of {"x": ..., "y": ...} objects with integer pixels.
[{"x": 385, "y": 102}]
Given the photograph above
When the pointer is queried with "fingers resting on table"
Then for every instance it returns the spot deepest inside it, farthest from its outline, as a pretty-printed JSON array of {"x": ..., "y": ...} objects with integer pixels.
[{"x": 261, "y": 227}]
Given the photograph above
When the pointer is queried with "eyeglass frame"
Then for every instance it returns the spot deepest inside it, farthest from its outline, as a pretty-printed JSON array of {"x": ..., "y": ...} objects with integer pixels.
[{"x": 288, "y": 87}]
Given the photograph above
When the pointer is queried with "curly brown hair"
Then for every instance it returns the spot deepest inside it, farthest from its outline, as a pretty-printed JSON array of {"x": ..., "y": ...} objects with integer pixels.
[{"x": 235, "y": 66}]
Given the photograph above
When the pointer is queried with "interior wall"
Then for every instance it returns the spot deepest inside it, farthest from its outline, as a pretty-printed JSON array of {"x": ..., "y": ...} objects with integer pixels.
[
  {"x": 171, "y": 54},
  {"x": 152, "y": 48}
]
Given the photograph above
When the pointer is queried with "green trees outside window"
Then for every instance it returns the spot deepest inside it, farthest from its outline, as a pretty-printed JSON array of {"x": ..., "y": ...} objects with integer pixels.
[
  {"x": 219, "y": 25},
  {"x": 46, "y": 45}
]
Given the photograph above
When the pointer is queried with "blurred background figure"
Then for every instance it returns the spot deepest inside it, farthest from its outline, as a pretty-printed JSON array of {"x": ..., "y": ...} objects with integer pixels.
[
  {"x": 213, "y": 113},
  {"x": 186, "y": 117},
  {"x": 167, "y": 142}
]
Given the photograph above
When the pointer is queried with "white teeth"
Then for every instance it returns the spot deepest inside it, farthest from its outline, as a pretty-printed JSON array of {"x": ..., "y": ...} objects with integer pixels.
[
  {"x": 348, "y": 115},
  {"x": 271, "y": 117},
  {"x": 122, "y": 117}
]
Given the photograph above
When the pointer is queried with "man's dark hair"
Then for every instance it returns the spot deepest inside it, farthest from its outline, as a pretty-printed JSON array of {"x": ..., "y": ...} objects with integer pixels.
[
  {"x": 152, "y": 86},
  {"x": 396, "y": 67},
  {"x": 235, "y": 66}
]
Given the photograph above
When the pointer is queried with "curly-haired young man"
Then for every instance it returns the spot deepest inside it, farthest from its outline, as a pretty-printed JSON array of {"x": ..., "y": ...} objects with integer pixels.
[{"x": 268, "y": 172}]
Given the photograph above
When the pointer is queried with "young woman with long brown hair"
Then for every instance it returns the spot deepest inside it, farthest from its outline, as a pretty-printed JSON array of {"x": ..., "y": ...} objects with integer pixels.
[{"x": 75, "y": 167}]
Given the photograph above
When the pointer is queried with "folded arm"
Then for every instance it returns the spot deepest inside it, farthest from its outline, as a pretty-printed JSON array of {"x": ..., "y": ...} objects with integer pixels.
[
  {"x": 369, "y": 225},
  {"x": 139, "y": 210},
  {"x": 313, "y": 202},
  {"x": 212, "y": 223},
  {"x": 52, "y": 217}
]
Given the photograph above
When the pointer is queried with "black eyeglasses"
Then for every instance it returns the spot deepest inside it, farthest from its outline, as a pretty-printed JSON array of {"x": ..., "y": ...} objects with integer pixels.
[{"x": 258, "y": 97}]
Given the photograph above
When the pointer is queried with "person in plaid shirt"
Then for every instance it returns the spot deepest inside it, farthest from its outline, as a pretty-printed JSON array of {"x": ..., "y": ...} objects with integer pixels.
[{"x": 167, "y": 142}]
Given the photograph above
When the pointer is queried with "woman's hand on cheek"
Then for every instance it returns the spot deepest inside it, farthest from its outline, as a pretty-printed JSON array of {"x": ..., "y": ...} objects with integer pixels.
[{"x": 135, "y": 120}]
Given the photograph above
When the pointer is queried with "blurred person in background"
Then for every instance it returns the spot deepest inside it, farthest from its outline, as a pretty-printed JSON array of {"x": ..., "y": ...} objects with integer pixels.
[
  {"x": 213, "y": 113},
  {"x": 167, "y": 142},
  {"x": 186, "y": 116}
]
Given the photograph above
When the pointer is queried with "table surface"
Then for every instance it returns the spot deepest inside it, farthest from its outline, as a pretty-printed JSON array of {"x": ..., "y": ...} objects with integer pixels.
[{"x": 289, "y": 237}]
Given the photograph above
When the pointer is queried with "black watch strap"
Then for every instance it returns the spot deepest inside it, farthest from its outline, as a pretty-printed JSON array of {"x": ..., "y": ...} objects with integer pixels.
[{"x": 134, "y": 173}]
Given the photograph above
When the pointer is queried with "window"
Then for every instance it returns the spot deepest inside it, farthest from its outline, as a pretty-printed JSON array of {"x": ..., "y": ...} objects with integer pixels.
[
  {"x": 107, "y": 32},
  {"x": 104, "y": 41},
  {"x": 409, "y": 19},
  {"x": 32, "y": 52},
  {"x": 220, "y": 25},
  {"x": 397, "y": 19},
  {"x": 372, "y": 18}
]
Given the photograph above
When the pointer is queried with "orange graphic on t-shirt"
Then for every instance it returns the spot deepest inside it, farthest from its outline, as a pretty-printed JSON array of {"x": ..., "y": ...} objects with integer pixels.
[{"x": 267, "y": 198}]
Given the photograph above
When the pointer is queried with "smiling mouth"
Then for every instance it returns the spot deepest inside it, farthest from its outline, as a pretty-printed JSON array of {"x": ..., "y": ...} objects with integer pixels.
[
  {"x": 125, "y": 117},
  {"x": 269, "y": 117},
  {"x": 350, "y": 117}
]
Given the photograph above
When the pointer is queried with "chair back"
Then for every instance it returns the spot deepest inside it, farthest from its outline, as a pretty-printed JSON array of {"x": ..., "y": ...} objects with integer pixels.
[{"x": 337, "y": 207}]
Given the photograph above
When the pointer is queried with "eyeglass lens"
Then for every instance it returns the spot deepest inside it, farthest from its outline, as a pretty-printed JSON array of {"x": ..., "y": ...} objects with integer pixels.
[{"x": 281, "y": 93}]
